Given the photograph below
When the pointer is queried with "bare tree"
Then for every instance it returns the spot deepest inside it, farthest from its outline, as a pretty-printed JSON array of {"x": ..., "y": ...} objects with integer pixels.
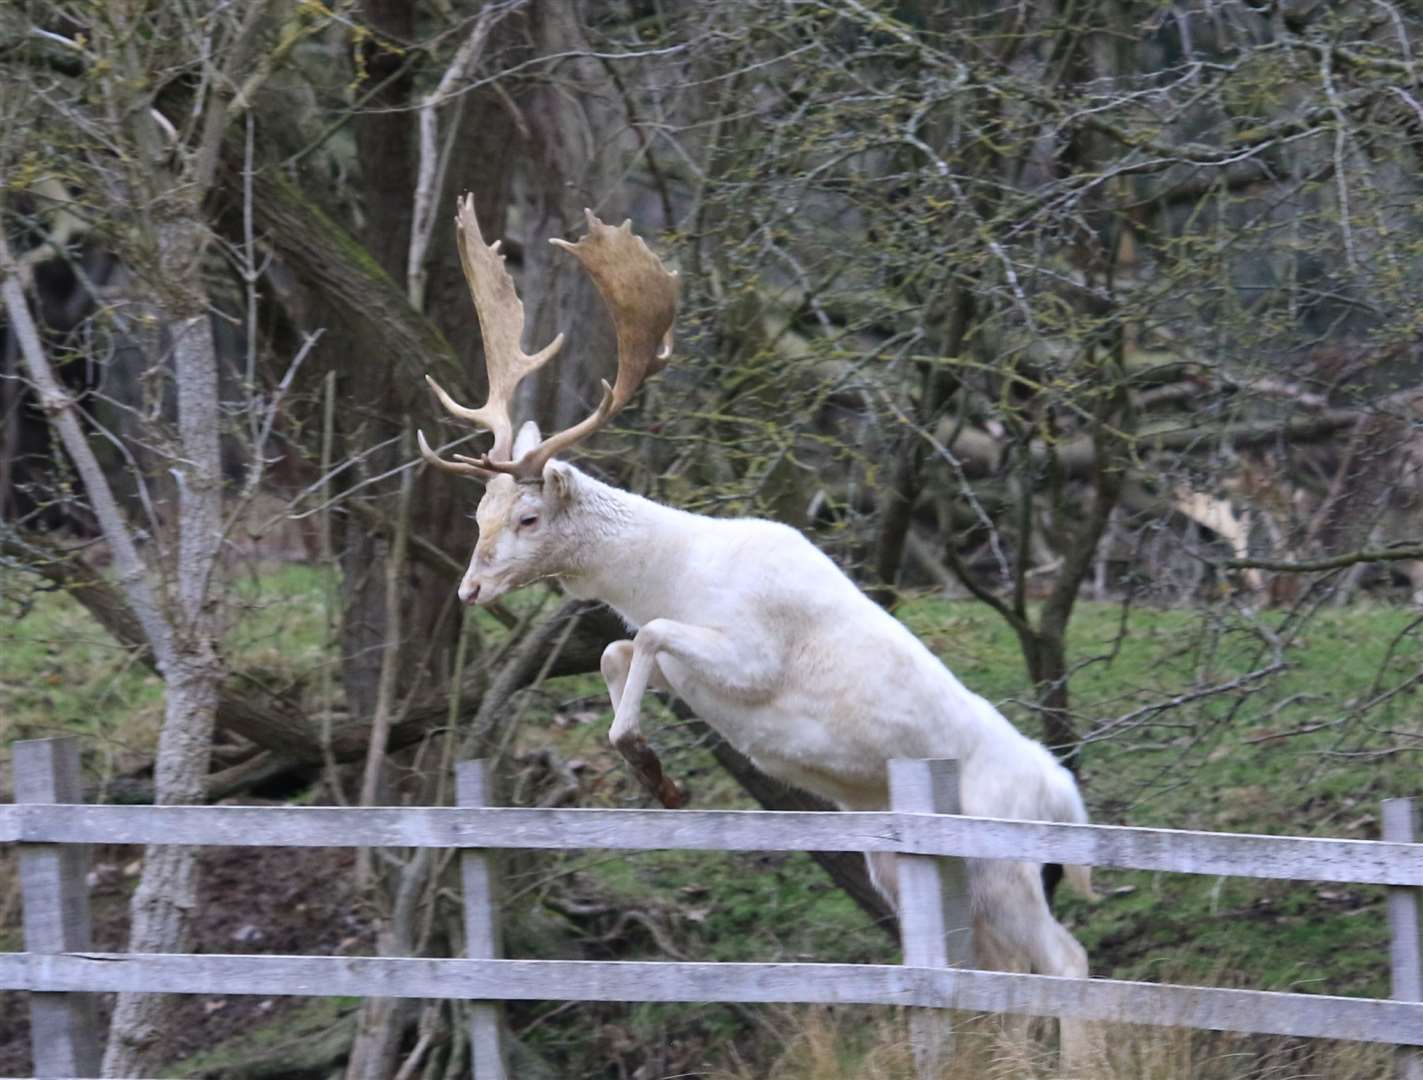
[{"x": 145, "y": 178}]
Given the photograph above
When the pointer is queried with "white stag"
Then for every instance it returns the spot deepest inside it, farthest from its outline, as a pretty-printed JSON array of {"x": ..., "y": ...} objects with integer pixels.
[{"x": 743, "y": 619}]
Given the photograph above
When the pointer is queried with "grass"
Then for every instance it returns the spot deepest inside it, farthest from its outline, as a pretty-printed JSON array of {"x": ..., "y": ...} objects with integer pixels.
[
  {"x": 1309, "y": 749},
  {"x": 61, "y": 674},
  {"x": 300, "y": 1047},
  {"x": 855, "y": 1044}
]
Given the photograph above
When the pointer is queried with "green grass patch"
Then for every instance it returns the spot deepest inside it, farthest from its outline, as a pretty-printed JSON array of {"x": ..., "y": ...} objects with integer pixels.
[{"x": 61, "y": 674}]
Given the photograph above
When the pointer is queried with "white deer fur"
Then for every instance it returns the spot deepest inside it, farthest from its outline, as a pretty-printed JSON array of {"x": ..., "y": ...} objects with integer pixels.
[{"x": 764, "y": 637}]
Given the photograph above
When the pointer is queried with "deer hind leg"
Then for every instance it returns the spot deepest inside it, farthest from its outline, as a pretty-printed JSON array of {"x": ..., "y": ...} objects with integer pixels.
[
  {"x": 1016, "y": 931},
  {"x": 1009, "y": 1033},
  {"x": 884, "y": 876},
  {"x": 1012, "y": 1031}
]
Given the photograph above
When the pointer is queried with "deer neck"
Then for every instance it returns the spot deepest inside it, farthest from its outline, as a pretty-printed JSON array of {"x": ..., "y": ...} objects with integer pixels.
[{"x": 626, "y": 550}]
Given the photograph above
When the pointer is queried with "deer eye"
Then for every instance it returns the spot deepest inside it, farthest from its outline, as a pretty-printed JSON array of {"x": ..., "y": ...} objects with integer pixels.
[{"x": 528, "y": 521}]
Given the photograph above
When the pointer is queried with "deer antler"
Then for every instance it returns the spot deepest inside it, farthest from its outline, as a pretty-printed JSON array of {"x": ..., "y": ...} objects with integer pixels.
[
  {"x": 501, "y": 324},
  {"x": 641, "y": 296}
]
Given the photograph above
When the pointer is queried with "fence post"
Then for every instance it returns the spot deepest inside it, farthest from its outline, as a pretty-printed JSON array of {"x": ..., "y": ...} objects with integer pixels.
[
  {"x": 935, "y": 925},
  {"x": 481, "y": 926},
  {"x": 1403, "y": 823},
  {"x": 55, "y": 894}
]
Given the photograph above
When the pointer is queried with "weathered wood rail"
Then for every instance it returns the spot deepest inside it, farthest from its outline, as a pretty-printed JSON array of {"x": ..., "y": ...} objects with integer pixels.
[{"x": 49, "y": 826}]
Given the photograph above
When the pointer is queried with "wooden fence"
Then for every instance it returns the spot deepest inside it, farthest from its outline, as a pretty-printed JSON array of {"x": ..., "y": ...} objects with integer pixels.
[{"x": 50, "y": 825}]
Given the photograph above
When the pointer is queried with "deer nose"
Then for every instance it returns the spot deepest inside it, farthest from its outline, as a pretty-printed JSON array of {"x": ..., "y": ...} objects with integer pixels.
[{"x": 469, "y": 592}]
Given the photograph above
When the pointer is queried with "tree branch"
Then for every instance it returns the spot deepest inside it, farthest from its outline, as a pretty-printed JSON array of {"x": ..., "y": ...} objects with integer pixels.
[
  {"x": 1334, "y": 562},
  {"x": 132, "y": 574}
]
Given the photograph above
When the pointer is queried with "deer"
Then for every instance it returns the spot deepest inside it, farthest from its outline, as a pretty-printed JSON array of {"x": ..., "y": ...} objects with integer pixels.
[{"x": 744, "y": 619}]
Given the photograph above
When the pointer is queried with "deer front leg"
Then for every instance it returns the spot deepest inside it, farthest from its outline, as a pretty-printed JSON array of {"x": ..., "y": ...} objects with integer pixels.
[
  {"x": 617, "y": 661},
  {"x": 641, "y": 758},
  {"x": 736, "y": 667}
]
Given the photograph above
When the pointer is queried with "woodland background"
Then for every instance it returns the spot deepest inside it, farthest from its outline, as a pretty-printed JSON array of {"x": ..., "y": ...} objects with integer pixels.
[{"x": 1085, "y": 334}]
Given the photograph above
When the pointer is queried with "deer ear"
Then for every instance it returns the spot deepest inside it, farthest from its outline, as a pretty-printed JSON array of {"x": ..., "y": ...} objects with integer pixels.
[
  {"x": 527, "y": 439},
  {"x": 558, "y": 483}
]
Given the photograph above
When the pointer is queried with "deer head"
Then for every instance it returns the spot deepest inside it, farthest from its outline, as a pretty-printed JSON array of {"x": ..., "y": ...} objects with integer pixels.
[{"x": 524, "y": 517}]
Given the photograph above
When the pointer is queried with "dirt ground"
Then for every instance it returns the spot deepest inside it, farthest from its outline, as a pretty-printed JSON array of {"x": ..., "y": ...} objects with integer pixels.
[{"x": 254, "y": 900}]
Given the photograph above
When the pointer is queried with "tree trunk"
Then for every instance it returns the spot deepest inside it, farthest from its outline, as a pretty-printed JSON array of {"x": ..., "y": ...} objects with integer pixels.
[
  {"x": 373, "y": 415},
  {"x": 579, "y": 140},
  {"x": 1045, "y": 656},
  {"x": 896, "y": 516},
  {"x": 166, "y": 898},
  {"x": 910, "y": 449},
  {"x": 167, "y": 891},
  {"x": 385, "y": 142},
  {"x": 1046, "y": 652},
  {"x": 180, "y": 624}
]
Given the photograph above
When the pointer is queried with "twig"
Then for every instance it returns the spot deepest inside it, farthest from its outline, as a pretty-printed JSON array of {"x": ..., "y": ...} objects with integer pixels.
[
  {"x": 1132, "y": 718},
  {"x": 1306, "y": 729},
  {"x": 430, "y": 176},
  {"x": 390, "y": 661},
  {"x": 429, "y": 1017}
]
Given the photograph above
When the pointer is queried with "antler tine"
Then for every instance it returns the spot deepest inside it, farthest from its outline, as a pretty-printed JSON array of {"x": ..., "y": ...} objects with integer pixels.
[
  {"x": 501, "y": 324},
  {"x": 641, "y": 296},
  {"x": 462, "y": 467}
]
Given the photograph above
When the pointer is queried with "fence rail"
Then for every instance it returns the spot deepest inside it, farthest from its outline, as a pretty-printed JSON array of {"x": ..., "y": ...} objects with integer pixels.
[
  {"x": 1110, "y": 1000},
  {"x": 61, "y": 971},
  {"x": 1375, "y": 862}
]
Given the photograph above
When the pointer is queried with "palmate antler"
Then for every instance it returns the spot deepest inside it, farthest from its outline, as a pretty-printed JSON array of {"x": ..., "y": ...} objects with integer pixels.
[{"x": 641, "y": 296}]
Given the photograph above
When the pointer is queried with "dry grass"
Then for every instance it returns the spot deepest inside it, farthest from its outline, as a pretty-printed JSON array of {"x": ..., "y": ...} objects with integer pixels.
[{"x": 872, "y": 1044}]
